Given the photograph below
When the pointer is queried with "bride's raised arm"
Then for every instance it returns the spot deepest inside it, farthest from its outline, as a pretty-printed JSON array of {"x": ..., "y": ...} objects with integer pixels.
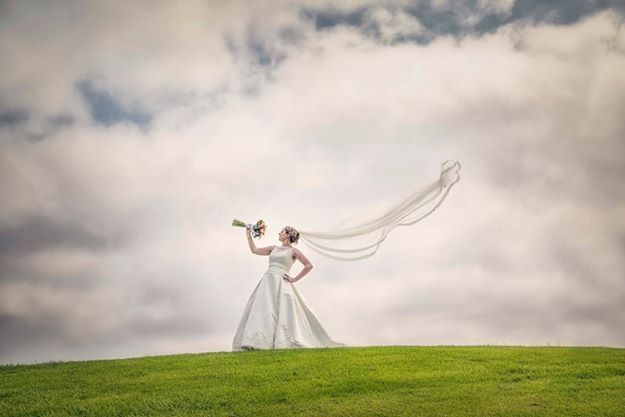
[{"x": 258, "y": 251}]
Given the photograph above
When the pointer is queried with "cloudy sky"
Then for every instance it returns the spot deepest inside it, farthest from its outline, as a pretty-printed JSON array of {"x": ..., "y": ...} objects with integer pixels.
[{"x": 131, "y": 134}]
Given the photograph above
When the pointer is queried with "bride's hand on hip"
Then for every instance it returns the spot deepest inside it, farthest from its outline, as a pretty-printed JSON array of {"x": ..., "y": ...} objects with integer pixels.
[{"x": 287, "y": 278}]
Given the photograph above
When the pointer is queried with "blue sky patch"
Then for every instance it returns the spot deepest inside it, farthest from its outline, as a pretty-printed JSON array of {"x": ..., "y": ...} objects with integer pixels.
[
  {"x": 108, "y": 110},
  {"x": 441, "y": 21}
]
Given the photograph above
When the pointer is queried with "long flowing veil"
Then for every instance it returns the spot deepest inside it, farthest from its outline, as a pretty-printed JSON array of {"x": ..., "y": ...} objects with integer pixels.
[{"x": 361, "y": 240}]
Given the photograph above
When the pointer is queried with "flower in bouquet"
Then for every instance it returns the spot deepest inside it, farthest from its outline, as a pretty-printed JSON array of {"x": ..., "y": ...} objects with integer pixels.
[{"x": 258, "y": 229}]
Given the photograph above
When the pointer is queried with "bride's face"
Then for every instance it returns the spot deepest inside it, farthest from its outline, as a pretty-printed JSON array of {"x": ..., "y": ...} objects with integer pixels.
[{"x": 282, "y": 235}]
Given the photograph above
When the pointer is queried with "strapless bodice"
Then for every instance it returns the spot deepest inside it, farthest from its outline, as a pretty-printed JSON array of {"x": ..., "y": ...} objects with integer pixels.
[{"x": 281, "y": 258}]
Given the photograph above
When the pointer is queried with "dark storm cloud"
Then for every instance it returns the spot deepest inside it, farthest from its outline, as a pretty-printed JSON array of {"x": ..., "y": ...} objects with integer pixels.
[
  {"x": 179, "y": 324},
  {"x": 330, "y": 18},
  {"x": 80, "y": 315},
  {"x": 57, "y": 310},
  {"x": 522, "y": 308},
  {"x": 291, "y": 35},
  {"x": 12, "y": 117},
  {"x": 41, "y": 339},
  {"x": 560, "y": 12},
  {"x": 60, "y": 120},
  {"x": 108, "y": 110},
  {"x": 450, "y": 19},
  {"x": 17, "y": 122},
  {"x": 26, "y": 333},
  {"x": 608, "y": 312},
  {"x": 260, "y": 52},
  {"x": 526, "y": 182},
  {"x": 262, "y": 48},
  {"x": 36, "y": 232},
  {"x": 521, "y": 311}
]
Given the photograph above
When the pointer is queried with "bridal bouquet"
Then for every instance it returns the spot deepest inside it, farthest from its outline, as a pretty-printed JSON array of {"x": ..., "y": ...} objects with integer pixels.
[{"x": 258, "y": 229}]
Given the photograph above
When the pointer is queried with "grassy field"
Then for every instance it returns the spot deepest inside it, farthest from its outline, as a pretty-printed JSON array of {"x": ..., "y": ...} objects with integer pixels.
[{"x": 376, "y": 381}]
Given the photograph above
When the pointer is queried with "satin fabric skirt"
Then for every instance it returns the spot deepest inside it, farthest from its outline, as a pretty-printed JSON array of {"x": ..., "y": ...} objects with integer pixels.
[{"x": 276, "y": 317}]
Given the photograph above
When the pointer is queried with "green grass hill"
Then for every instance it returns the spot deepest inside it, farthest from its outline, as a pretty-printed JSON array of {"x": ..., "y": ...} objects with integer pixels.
[{"x": 373, "y": 381}]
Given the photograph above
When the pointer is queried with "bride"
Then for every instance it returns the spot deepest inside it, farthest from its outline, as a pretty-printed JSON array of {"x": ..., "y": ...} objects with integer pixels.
[{"x": 276, "y": 315}]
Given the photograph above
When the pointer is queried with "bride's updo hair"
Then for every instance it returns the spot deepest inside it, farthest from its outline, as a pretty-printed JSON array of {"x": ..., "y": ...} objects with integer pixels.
[{"x": 292, "y": 233}]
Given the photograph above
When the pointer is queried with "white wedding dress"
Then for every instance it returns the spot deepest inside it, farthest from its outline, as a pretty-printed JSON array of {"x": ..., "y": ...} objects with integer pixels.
[{"x": 276, "y": 316}]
